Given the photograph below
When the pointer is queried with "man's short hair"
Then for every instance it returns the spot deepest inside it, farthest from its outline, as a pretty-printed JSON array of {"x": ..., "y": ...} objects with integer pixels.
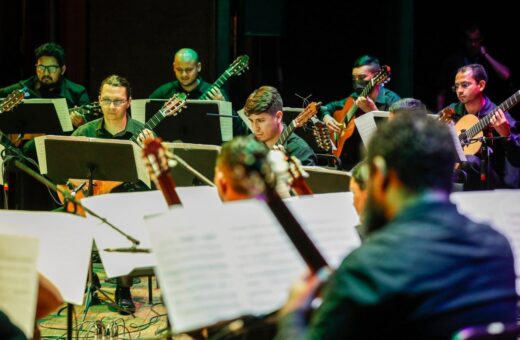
[
  {"x": 360, "y": 174},
  {"x": 479, "y": 73},
  {"x": 115, "y": 80},
  {"x": 264, "y": 99},
  {"x": 366, "y": 59},
  {"x": 51, "y": 50},
  {"x": 238, "y": 154},
  {"x": 408, "y": 105},
  {"x": 418, "y": 148}
]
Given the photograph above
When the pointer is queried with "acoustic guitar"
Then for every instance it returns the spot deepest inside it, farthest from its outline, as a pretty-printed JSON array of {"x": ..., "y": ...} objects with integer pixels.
[
  {"x": 310, "y": 111},
  {"x": 13, "y": 99},
  {"x": 236, "y": 68},
  {"x": 349, "y": 110},
  {"x": 470, "y": 128}
]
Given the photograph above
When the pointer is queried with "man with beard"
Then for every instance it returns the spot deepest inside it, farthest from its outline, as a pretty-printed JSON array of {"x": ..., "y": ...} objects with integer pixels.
[
  {"x": 50, "y": 81},
  {"x": 380, "y": 98},
  {"x": 424, "y": 271},
  {"x": 470, "y": 84}
]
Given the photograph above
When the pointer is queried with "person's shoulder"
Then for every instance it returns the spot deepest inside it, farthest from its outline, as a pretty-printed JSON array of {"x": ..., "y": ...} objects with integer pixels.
[
  {"x": 88, "y": 129},
  {"x": 391, "y": 95},
  {"x": 73, "y": 86},
  {"x": 165, "y": 90}
]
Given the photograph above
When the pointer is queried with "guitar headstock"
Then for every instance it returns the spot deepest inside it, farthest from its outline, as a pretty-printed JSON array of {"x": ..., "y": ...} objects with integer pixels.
[
  {"x": 310, "y": 111},
  {"x": 382, "y": 77},
  {"x": 446, "y": 115},
  {"x": 174, "y": 105},
  {"x": 91, "y": 108},
  {"x": 321, "y": 135},
  {"x": 12, "y": 100},
  {"x": 239, "y": 65},
  {"x": 156, "y": 162}
]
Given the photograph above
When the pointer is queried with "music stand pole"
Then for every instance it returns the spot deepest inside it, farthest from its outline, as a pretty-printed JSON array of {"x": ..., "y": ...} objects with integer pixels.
[{"x": 484, "y": 164}]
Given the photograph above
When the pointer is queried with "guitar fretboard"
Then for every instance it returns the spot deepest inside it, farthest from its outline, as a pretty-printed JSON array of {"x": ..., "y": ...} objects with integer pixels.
[
  {"x": 150, "y": 124},
  {"x": 217, "y": 84},
  {"x": 286, "y": 133},
  {"x": 505, "y": 106}
]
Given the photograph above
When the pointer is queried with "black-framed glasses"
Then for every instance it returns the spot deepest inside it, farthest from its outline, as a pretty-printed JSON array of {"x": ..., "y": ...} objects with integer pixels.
[
  {"x": 463, "y": 85},
  {"x": 117, "y": 102},
  {"x": 49, "y": 68}
]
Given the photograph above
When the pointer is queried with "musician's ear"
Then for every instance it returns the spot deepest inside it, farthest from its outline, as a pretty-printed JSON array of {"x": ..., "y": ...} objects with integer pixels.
[
  {"x": 380, "y": 164},
  {"x": 199, "y": 66},
  {"x": 278, "y": 115},
  {"x": 63, "y": 69},
  {"x": 482, "y": 85}
]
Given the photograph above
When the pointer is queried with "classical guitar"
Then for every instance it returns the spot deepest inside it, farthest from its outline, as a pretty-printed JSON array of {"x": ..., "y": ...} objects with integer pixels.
[
  {"x": 469, "y": 127},
  {"x": 310, "y": 111},
  {"x": 157, "y": 164},
  {"x": 236, "y": 68},
  {"x": 12, "y": 100},
  {"x": 345, "y": 115},
  {"x": 446, "y": 115}
]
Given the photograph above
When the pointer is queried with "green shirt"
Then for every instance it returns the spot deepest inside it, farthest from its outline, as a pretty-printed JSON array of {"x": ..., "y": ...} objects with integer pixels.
[{"x": 96, "y": 129}]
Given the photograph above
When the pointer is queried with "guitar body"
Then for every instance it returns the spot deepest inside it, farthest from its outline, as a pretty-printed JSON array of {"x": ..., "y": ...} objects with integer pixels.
[
  {"x": 348, "y": 128},
  {"x": 462, "y": 125}
]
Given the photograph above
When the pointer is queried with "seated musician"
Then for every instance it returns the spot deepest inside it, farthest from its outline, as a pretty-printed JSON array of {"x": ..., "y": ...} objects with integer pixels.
[
  {"x": 380, "y": 98},
  {"x": 263, "y": 108},
  {"x": 115, "y": 98},
  {"x": 424, "y": 271},
  {"x": 470, "y": 85}
]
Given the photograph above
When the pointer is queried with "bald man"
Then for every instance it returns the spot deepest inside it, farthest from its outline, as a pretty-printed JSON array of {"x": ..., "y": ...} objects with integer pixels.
[{"x": 187, "y": 67}]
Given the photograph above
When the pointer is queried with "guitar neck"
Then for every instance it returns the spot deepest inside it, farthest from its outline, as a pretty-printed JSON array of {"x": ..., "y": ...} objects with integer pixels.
[
  {"x": 505, "y": 106},
  {"x": 216, "y": 85},
  {"x": 286, "y": 133},
  {"x": 150, "y": 124},
  {"x": 354, "y": 107}
]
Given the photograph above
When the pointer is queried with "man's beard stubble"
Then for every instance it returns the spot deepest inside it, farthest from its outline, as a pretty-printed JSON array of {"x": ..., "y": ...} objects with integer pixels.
[{"x": 374, "y": 216}]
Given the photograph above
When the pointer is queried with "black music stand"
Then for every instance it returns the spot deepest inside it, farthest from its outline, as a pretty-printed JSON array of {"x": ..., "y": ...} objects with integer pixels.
[
  {"x": 201, "y": 157},
  {"x": 322, "y": 180},
  {"x": 49, "y": 116},
  {"x": 201, "y": 122},
  {"x": 63, "y": 157}
]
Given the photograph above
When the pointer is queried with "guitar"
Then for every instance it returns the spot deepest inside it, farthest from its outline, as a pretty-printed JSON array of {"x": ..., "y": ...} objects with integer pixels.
[
  {"x": 236, "y": 68},
  {"x": 321, "y": 134},
  {"x": 172, "y": 107},
  {"x": 298, "y": 175},
  {"x": 157, "y": 165},
  {"x": 310, "y": 111},
  {"x": 446, "y": 115},
  {"x": 469, "y": 126},
  {"x": 345, "y": 115},
  {"x": 12, "y": 100}
]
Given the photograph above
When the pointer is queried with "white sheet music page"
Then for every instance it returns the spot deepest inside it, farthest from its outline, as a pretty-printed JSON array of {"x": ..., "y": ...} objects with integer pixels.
[
  {"x": 334, "y": 234},
  {"x": 65, "y": 246},
  {"x": 60, "y": 104},
  {"x": 126, "y": 211},
  {"x": 230, "y": 261},
  {"x": 366, "y": 125},
  {"x": 19, "y": 280},
  {"x": 499, "y": 208},
  {"x": 39, "y": 142},
  {"x": 139, "y": 109},
  {"x": 226, "y": 120},
  {"x": 198, "y": 196}
]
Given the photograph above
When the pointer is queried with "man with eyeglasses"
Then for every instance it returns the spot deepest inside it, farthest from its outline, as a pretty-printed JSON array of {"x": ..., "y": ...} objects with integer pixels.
[
  {"x": 115, "y": 99},
  {"x": 470, "y": 84},
  {"x": 50, "y": 82}
]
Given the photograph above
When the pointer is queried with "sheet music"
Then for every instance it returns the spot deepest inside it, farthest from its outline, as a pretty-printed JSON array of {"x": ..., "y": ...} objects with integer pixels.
[
  {"x": 126, "y": 211},
  {"x": 335, "y": 233},
  {"x": 19, "y": 280},
  {"x": 65, "y": 246},
  {"x": 226, "y": 123},
  {"x": 39, "y": 142},
  {"x": 198, "y": 196},
  {"x": 499, "y": 208},
  {"x": 60, "y": 105},
  {"x": 142, "y": 172},
  {"x": 138, "y": 108},
  {"x": 222, "y": 264},
  {"x": 366, "y": 125},
  {"x": 243, "y": 116}
]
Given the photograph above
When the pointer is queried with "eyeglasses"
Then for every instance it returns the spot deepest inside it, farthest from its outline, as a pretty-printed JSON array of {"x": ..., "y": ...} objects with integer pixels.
[
  {"x": 117, "y": 102},
  {"x": 49, "y": 68},
  {"x": 463, "y": 85}
]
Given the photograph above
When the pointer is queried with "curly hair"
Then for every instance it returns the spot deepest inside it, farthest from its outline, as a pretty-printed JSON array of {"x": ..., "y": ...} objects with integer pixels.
[{"x": 51, "y": 50}]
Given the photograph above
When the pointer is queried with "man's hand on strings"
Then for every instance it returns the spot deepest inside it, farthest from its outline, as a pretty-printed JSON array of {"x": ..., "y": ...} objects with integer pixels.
[
  {"x": 331, "y": 123},
  {"x": 216, "y": 94},
  {"x": 366, "y": 104},
  {"x": 500, "y": 123}
]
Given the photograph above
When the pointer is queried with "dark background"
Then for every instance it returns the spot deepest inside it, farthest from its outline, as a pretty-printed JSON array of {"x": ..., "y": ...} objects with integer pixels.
[{"x": 298, "y": 47}]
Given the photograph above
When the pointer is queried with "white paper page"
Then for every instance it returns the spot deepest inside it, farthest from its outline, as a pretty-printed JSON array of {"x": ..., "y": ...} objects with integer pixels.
[
  {"x": 334, "y": 234},
  {"x": 226, "y": 123},
  {"x": 230, "y": 261},
  {"x": 65, "y": 247},
  {"x": 1, "y": 166},
  {"x": 125, "y": 211},
  {"x": 39, "y": 142},
  {"x": 142, "y": 172},
  {"x": 198, "y": 197},
  {"x": 139, "y": 109},
  {"x": 366, "y": 125},
  {"x": 60, "y": 104},
  {"x": 19, "y": 280},
  {"x": 244, "y": 118},
  {"x": 500, "y": 209}
]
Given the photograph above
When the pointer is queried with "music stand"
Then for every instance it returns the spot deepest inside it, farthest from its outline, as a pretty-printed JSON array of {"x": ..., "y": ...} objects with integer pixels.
[
  {"x": 63, "y": 157},
  {"x": 49, "y": 116},
  {"x": 201, "y": 157},
  {"x": 201, "y": 122},
  {"x": 323, "y": 180}
]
